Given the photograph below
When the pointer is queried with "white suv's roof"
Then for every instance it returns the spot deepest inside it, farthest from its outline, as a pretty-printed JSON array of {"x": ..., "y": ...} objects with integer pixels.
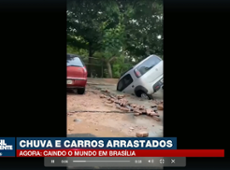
[
  {"x": 153, "y": 55},
  {"x": 134, "y": 67}
]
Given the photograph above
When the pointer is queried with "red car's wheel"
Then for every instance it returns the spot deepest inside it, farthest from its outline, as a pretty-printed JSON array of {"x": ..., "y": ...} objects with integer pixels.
[{"x": 81, "y": 91}]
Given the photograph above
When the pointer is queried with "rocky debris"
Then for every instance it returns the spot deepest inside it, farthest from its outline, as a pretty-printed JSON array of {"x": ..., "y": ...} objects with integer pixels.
[
  {"x": 160, "y": 107},
  {"x": 105, "y": 91},
  {"x": 102, "y": 96},
  {"x": 109, "y": 101},
  {"x": 133, "y": 105},
  {"x": 123, "y": 104},
  {"x": 69, "y": 114},
  {"x": 118, "y": 106},
  {"x": 157, "y": 118},
  {"x": 130, "y": 108},
  {"x": 142, "y": 134},
  {"x": 93, "y": 91},
  {"x": 120, "y": 96},
  {"x": 157, "y": 102},
  {"x": 136, "y": 110},
  {"x": 151, "y": 112},
  {"x": 141, "y": 108},
  {"x": 124, "y": 109},
  {"x": 137, "y": 114},
  {"x": 131, "y": 128}
]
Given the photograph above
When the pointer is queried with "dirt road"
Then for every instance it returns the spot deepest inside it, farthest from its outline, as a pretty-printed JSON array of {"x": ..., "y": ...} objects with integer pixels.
[{"x": 101, "y": 124}]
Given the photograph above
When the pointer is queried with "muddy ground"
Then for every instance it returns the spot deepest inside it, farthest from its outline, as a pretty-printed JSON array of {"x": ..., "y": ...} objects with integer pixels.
[{"x": 113, "y": 124}]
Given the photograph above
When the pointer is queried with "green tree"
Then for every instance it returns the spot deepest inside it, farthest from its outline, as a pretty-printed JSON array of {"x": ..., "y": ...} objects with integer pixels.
[
  {"x": 83, "y": 23},
  {"x": 116, "y": 31}
]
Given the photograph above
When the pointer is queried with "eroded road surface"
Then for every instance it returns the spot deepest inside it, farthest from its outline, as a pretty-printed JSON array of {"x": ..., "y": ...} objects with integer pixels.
[{"x": 91, "y": 116}]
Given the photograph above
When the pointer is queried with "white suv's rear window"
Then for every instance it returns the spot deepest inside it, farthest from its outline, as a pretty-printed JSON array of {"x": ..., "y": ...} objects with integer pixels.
[{"x": 148, "y": 64}]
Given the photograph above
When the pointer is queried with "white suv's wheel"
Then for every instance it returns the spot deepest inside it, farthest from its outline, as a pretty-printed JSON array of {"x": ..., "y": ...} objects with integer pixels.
[{"x": 145, "y": 96}]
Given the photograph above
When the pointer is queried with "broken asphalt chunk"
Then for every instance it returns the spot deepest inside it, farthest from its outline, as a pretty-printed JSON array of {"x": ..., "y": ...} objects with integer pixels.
[
  {"x": 109, "y": 104},
  {"x": 102, "y": 96},
  {"x": 118, "y": 106},
  {"x": 160, "y": 107},
  {"x": 124, "y": 108},
  {"x": 131, "y": 128},
  {"x": 142, "y": 134},
  {"x": 137, "y": 114}
]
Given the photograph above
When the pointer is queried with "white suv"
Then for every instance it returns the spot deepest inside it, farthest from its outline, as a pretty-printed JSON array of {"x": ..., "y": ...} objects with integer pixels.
[{"x": 143, "y": 79}]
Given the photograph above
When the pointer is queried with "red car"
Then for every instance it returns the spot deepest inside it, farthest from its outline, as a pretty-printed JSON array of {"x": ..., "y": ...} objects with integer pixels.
[{"x": 76, "y": 74}]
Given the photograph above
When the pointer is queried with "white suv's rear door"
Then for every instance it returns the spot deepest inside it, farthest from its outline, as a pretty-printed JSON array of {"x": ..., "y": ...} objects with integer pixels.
[{"x": 151, "y": 69}]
